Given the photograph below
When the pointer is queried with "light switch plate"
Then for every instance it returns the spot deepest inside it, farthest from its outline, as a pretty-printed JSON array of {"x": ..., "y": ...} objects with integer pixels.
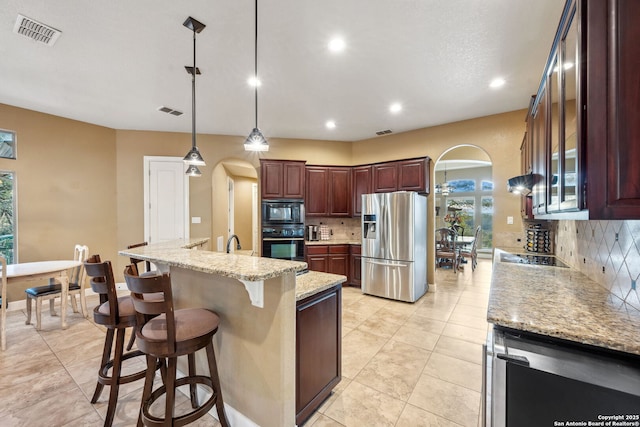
[
  {"x": 509, "y": 220},
  {"x": 195, "y": 220}
]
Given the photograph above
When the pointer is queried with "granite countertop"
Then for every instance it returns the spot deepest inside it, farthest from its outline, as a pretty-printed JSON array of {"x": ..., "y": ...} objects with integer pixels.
[
  {"x": 242, "y": 265},
  {"x": 311, "y": 283},
  {"x": 176, "y": 253},
  {"x": 562, "y": 303},
  {"x": 333, "y": 242}
]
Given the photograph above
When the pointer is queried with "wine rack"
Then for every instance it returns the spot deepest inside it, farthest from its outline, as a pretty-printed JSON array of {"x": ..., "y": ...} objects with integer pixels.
[{"x": 538, "y": 239}]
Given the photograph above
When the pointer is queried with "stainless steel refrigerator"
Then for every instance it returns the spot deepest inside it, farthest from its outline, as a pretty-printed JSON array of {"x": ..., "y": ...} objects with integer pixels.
[{"x": 394, "y": 245}]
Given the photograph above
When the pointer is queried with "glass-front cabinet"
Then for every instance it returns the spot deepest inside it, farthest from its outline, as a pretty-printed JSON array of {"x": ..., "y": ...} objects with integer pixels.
[
  {"x": 569, "y": 196},
  {"x": 584, "y": 124}
]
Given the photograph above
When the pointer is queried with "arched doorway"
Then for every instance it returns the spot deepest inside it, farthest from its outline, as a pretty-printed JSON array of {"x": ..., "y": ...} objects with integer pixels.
[
  {"x": 234, "y": 189},
  {"x": 464, "y": 187}
]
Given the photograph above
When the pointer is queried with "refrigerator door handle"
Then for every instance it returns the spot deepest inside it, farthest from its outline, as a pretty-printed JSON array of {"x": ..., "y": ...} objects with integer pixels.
[{"x": 387, "y": 264}]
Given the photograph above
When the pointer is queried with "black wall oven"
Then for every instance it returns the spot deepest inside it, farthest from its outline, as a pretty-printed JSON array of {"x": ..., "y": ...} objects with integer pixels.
[{"x": 283, "y": 242}]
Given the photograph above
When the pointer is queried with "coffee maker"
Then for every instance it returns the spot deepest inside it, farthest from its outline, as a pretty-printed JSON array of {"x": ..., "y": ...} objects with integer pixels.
[{"x": 313, "y": 233}]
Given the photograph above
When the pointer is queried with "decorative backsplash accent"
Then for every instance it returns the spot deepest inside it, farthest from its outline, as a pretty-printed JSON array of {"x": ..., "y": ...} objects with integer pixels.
[
  {"x": 340, "y": 228},
  {"x": 606, "y": 251}
]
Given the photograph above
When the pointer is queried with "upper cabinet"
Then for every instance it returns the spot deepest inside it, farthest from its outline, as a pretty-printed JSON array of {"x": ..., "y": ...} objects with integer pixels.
[
  {"x": 362, "y": 184},
  {"x": 282, "y": 179},
  {"x": 328, "y": 191},
  {"x": 402, "y": 175},
  {"x": 584, "y": 124}
]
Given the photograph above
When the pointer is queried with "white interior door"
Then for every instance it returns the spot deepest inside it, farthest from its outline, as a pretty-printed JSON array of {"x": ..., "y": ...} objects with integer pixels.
[
  {"x": 166, "y": 199},
  {"x": 231, "y": 207}
]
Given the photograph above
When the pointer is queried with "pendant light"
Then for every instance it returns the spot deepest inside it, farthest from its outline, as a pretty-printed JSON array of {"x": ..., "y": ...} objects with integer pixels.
[
  {"x": 444, "y": 188},
  {"x": 256, "y": 141},
  {"x": 193, "y": 157}
]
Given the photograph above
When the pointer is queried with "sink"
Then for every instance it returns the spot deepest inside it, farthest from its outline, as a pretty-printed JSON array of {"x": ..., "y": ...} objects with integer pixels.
[{"x": 532, "y": 259}]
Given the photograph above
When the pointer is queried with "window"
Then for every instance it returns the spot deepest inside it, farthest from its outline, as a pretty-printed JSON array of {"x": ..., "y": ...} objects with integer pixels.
[
  {"x": 487, "y": 222},
  {"x": 7, "y": 144},
  {"x": 7, "y": 215},
  {"x": 462, "y": 185}
]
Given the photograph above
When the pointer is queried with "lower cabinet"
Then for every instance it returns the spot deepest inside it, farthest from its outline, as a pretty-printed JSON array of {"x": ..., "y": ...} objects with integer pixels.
[
  {"x": 329, "y": 259},
  {"x": 355, "y": 273},
  {"x": 318, "y": 349}
]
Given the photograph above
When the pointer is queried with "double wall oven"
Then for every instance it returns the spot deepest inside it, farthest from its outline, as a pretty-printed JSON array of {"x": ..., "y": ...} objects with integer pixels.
[{"x": 283, "y": 229}]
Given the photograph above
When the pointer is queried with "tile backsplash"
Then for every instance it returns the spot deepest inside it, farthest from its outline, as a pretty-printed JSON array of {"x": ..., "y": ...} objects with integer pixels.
[
  {"x": 341, "y": 228},
  {"x": 606, "y": 251}
]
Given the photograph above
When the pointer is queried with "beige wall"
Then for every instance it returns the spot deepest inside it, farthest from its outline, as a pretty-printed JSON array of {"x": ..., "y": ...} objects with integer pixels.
[
  {"x": 499, "y": 135},
  {"x": 65, "y": 183}
]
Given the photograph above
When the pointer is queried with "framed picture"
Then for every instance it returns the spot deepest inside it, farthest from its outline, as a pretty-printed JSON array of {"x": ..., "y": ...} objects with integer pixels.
[{"x": 7, "y": 144}]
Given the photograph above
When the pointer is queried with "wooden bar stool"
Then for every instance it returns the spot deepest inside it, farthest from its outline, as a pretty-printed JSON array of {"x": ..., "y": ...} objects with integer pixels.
[
  {"x": 170, "y": 334},
  {"x": 117, "y": 314}
]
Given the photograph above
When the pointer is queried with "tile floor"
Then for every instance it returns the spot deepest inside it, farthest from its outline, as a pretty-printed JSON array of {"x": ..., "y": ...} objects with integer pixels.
[{"x": 403, "y": 364}]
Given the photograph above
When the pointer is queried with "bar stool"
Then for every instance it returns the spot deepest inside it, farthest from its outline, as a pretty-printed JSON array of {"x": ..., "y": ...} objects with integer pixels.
[
  {"x": 117, "y": 314},
  {"x": 170, "y": 334}
]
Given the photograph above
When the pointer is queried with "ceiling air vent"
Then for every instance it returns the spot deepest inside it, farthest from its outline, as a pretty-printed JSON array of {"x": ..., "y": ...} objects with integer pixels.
[
  {"x": 384, "y": 132},
  {"x": 36, "y": 31},
  {"x": 170, "y": 111}
]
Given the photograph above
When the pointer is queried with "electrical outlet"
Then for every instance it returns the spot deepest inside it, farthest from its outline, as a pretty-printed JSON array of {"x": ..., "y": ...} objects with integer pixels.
[
  {"x": 616, "y": 237},
  {"x": 509, "y": 220}
]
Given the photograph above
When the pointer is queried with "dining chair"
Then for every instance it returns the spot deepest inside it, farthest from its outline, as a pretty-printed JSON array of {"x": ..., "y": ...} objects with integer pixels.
[
  {"x": 54, "y": 290},
  {"x": 170, "y": 334},
  {"x": 3, "y": 304},
  {"x": 446, "y": 251},
  {"x": 472, "y": 252}
]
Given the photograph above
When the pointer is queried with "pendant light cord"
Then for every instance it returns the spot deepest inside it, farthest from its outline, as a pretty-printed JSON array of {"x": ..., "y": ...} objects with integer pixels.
[
  {"x": 193, "y": 94},
  {"x": 255, "y": 61}
]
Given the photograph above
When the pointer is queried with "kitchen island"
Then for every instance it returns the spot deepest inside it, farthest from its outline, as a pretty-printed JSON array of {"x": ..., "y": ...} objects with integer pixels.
[
  {"x": 256, "y": 301},
  {"x": 562, "y": 348}
]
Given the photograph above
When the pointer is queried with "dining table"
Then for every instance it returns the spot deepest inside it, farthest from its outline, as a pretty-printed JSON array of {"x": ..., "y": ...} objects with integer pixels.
[{"x": 35, "y": 272}]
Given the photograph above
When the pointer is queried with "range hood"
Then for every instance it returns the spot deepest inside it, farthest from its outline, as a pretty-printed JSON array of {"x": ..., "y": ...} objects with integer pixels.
[{"x": 522, "y": 184}]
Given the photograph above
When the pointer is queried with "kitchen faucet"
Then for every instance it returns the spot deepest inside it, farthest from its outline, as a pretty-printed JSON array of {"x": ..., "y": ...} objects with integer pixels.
[{"x": 238, "y": 247}]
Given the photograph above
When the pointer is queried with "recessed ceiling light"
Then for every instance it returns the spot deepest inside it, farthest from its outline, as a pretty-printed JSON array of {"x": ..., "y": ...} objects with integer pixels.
[
  {"x": 330, "y": 124},
  {"x": 496, "y": 83},
  {"x": 253, "y": 82},
  {"x": 337, "y": 45},
  {"x": 396, "y": 107}
]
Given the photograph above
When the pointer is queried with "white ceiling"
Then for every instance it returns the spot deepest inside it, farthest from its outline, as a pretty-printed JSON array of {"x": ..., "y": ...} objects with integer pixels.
[{"x": 117, "y": 61}]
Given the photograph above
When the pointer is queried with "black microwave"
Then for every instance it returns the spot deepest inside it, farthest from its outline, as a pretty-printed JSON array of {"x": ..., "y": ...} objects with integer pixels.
[{"x": 283, "y": 212}]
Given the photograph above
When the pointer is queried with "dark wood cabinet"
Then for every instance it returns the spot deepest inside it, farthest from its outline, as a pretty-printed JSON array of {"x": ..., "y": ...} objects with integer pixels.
[
  {"x": 329, "y": 259},
  {"x": 316, "y": 200},
  {"x": 338, "y": 260},
  {"x": 412, "y": 175},
  {"x": 355, "y": 272},
  {"x": 362, "y": 184},
  {"x": 318, "y": 349},
  {"x": 317, "y": 258},
  {"x": 282, "y": 179},
  {"x": 585, "y": 119},
  {"x": 385, "y": 177},
  {"x": 328, "y": 191},
  {"x": 402, "y": 175},
  {"x": 340, "y": 191},
  {"x": 612, "y": 118}
]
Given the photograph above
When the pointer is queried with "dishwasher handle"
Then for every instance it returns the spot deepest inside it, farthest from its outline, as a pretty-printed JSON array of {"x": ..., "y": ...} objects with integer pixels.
[{"x": 518, "y": 360}]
